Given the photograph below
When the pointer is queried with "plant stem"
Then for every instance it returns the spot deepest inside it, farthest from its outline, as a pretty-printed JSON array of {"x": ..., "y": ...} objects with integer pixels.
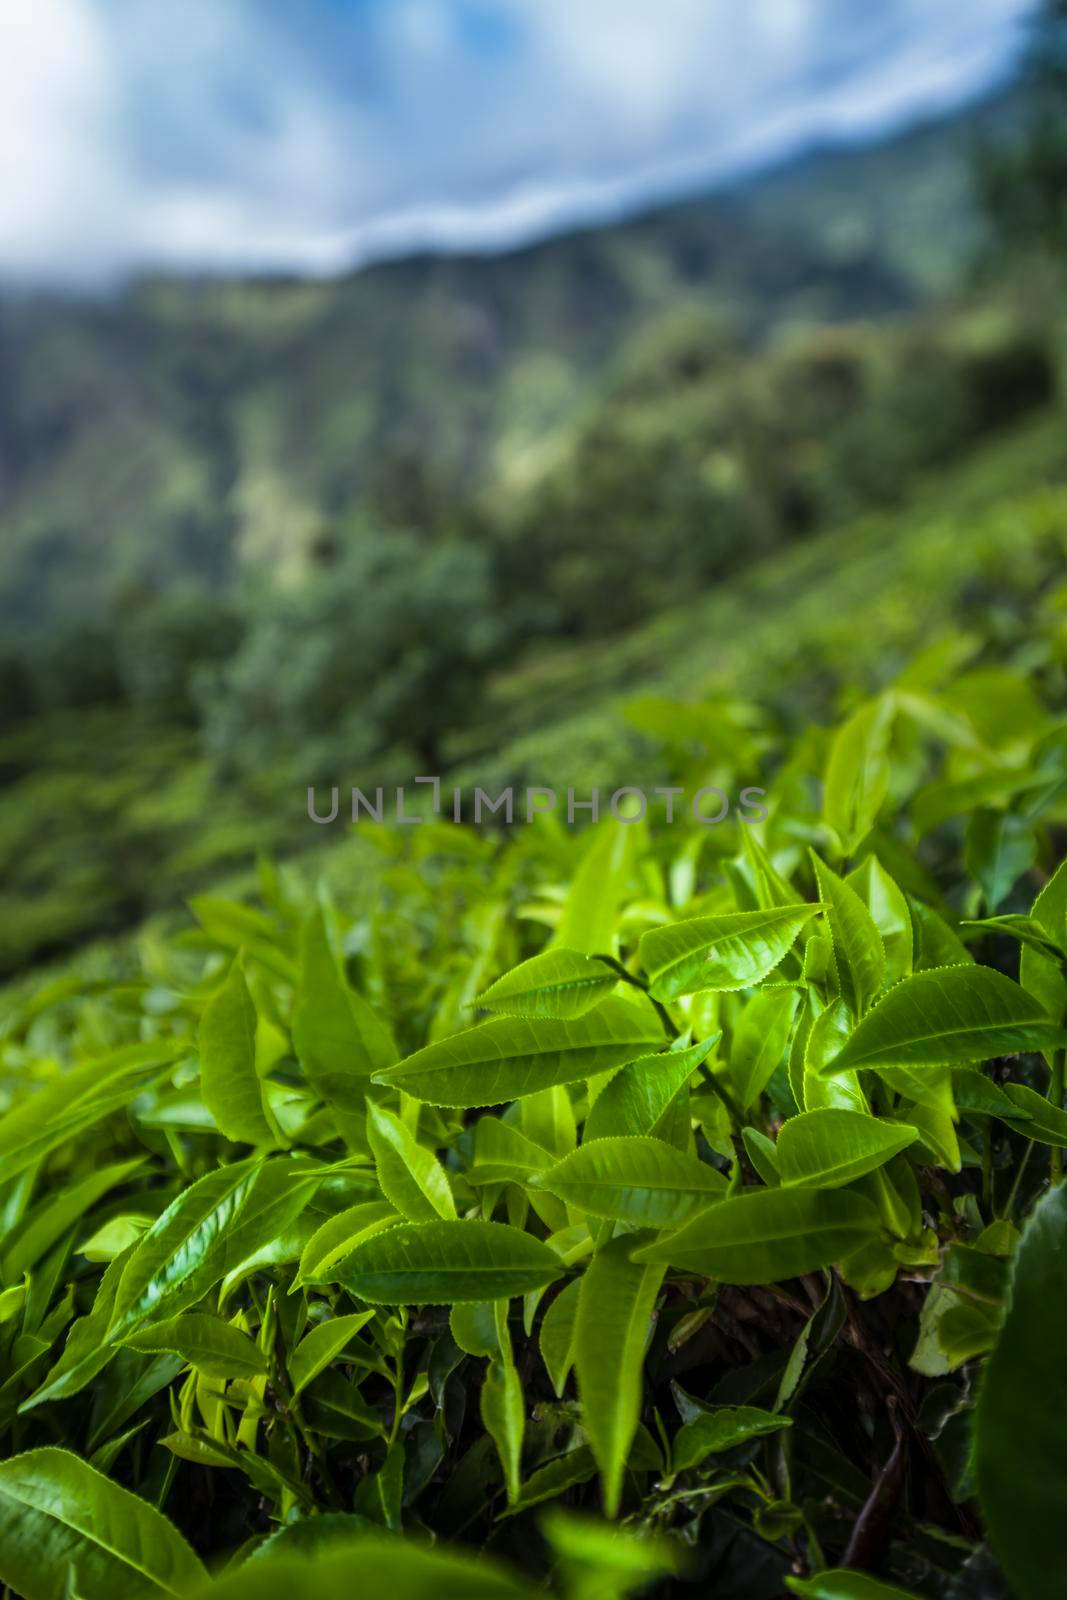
[
  {"x": 733, "y": 1110},
  {"x": 1056, "y": 1096},
  {"x": 398, "y": 1405},
  {"x": 291, "y": 1413},
  {"x": 987, "y": 1168},
  {"x": 319, "y": 1457},
  {"x": 1020, "y": 1169},
  {"x": 639, "y": 983}
]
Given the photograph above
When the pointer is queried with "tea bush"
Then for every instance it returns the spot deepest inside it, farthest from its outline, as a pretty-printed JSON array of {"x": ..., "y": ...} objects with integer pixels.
[{"x": 663, "y": 1205}]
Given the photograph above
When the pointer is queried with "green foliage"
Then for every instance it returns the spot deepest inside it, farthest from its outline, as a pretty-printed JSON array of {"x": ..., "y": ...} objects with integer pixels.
[
  {"x": 394, "y": 638},
  {"x": 1021, "y": 181},
  {"x": 109, "y": 815},
  {"x": 65, "y": 1521},
  {"x": 664, "y": 1205},
  {"x": 1019, "y": 1457},
  {"x": 572, "y": 1184}
]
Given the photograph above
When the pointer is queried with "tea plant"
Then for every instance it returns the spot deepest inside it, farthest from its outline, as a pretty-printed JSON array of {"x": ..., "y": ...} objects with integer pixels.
[{"x": 673, "y": 1206}]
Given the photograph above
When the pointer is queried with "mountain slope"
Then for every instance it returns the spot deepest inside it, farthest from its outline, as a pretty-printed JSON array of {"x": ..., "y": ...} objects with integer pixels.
[
  {"x": 113, "y": 819},
  {"x": 187, "y": 429}
]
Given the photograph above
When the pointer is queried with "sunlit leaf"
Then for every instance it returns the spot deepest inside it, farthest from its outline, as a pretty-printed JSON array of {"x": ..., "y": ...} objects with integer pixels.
[
  {"x": 411, "y": 1177},
  {"x": 1019, "y": 1454},
  {"x": 63, "y": 1518},
  {"x": 733, "y": 951},
  {"x": 832, "y": 1146},
  {"x": 641, "y": 1181},
  {"x": 439, "y": 1263},
  {"x": 322, "y": 1345},
  {"x": 722, "y": 1429},
  {"x": 611, "y": 1333},
  {"x": 207, "y": 1343},
  {"x": 509, "y": 1057},
  {"x": 640, "y": 1093},
  {"x": 765, "y": 1235},
  {"x": 948, "y": 1016},
  {"x": 556, "y": 983},
  {"x": 229, "y": 1082}
]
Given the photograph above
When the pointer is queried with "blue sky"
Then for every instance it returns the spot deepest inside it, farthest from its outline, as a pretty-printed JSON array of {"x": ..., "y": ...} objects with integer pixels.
[{"x": 314, "y": 135}]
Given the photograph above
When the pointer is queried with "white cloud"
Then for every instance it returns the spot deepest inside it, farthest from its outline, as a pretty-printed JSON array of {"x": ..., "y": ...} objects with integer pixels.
[
  {"x": 62, "y": 166},
  {"x": 233, "y": 135}
]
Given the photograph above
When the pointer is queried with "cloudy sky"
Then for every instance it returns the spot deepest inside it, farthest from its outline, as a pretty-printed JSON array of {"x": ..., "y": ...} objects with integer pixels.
[{"x": 310, "y": 135}]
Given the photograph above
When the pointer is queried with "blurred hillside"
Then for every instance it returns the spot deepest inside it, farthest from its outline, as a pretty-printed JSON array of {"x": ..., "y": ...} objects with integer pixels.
[
  {"x": 188, "y": 431},
  {"x": 450, "y": 515},
  {"x": 118, "y": 820}
]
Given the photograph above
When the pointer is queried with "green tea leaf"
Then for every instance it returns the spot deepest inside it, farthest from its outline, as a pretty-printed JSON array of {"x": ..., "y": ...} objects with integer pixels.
[
  {"x": 587, "y": 924},
  {"x": 557, "y": 1335},
  {"x": 229, "y": 1083},
  {"x": 439, "y": 1263},
  {"x": 1037, "y": 1117},
  {"x": 637, "y": 1180},
  {"x": 510, "y": 1057},
  {"x": 1019, "y": 1453},
  {"x": 322, "y": 1345},
  {"x": 411, "y": 1177},
  {"x": 239, "y": 927},
  {"x": 339, "y": 1040},
  {"x": 477, "y": 1326},
  {"x": 212, "y": 1346},
  {"x": 1041, "y": 975},
  {"x": 555, "y": 1478},
  {"x": 859, "y": 955},
  {"x": 998, "y": 849},
  {"x": 888, "y": 906},
  {"x": 612, "y": 1328},
  {"x": 323, "y": 1535},
  {"x": 857, "y": 773},
  {"x": 827, "y": 1037},
  {"x": 504, "y": 1155},
  {"x": 948, "y": 1016},
  {"x": 556, "y": 983},
  {"x": 831, "y": 1146},
  {"x": 62, "y": 1519},
  {"x": 48, "y": 1222},
  {"x": 759, "y": 1042},
  {"x": 735, "y": 950},
  {"x": 765, "y": 1235},
  {"x": 974, "y": 1093},
  {"x": 1027, "y": 930},
  {"x": 935, "y": 1126},
  {"x": 962, "y": 1312},
  {"x": 722, "y": 1429},
  {"x": 203, "y": 1234},
  {"x": 86, "y": 1352},
  {"x": 547, "y": 1120},
  {"x": 763, "y": 1154},
  {"x": 618, "y": 1558},
  {"x": 503, "y": 1411},
  {"x": 338, "y": 1237},
  {"x": 372, "y": 1564},
  {"x": 640, "y": 1093},
  {"x": 77, "y": 1101},
  {"x": 936, "y": 945}
]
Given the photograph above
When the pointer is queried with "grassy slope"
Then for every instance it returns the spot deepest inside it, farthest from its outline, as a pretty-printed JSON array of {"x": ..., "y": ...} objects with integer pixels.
[
  {"x": 864, "y": 595},
  {"x": 850, "y": 605}
]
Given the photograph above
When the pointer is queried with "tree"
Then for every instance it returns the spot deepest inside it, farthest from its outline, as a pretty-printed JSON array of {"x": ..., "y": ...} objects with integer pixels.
[
  {"x": 387, "y": 647},
  {"x": 1023, "y": 183}
]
